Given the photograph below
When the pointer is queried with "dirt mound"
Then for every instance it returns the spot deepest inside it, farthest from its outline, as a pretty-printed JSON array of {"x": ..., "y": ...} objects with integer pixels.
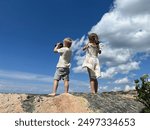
[
  {"x": 62, "y": 103},
  {"x": 107, "y": 102},
  {"x": 11, "y": 102}
]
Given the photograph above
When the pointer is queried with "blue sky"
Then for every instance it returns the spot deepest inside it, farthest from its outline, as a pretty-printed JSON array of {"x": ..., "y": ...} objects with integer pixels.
[{"x": 29, "y": 30}]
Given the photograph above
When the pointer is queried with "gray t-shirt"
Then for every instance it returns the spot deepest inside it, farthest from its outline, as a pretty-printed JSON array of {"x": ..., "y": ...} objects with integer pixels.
[{"x": 65, "y": 57}]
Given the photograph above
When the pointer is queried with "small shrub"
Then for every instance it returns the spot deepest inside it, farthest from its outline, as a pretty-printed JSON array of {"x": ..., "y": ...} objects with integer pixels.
[{"x": 143, "y": 91}]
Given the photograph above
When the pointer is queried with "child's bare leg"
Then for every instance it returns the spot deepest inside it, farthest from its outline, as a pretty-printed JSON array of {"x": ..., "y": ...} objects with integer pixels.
[
  {"x": 92, "y": 83},
  {"x": 66, "y": 84},
  {"x": 55, "y": 86},
  {"x": 96, "y": 86}
]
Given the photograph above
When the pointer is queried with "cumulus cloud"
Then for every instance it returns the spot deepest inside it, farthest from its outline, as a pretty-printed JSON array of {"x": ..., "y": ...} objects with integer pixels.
[
  {"x": 103, "y": 88},
  {"x": 122, "y": 81},
  {"x": 125, "y": 32},
  {"x": 79, "y": 69},
  {"x": 125, "y": 26},
  {"x": 116, "y": 89},
  {"x": 114, "y": 56},
  {"x": 78, "y": 43},
  {"x": 128, "y": 88},
  {"x": 126, "y": 7}
]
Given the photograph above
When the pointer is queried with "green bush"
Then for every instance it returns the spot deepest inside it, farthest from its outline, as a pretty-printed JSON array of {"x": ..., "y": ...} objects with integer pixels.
[{"x": 143, "y": 91}]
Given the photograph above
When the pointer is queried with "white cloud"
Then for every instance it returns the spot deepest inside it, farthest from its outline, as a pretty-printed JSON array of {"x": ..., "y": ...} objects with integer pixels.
[
  {"x": 109, "y": 73},
  {"x": 121, "y": 69},
  {"x": 103, "y": 88},
  {"x": 127, "y": 88},
  {"x": 23, "y": 82},
  {"x": 114, "y": 56},
  {"x": 79, "y": 86},
  {"x": 79, "y": 59},
  {"x": 125, "y": 30},
  {"x": 126, "y": 68},
  {"x": 126, "y": 7},
  {"x": 79, "y": 69},
  {"x": 21, "y": 86},
  {"x": 116, "y": 89},
  {"x": 25, "y": 76},
  {"x": 122, "y": 81},
  {"x": 125, "y": 27},
  {"x": 78, "y": 43},
  {"x": 79, "y": 83}
]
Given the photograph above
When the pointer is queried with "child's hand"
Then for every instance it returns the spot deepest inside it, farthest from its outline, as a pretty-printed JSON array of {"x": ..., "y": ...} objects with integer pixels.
[
  {"x": 85, "y": 47},
  {"x": 60, "y": 45},
  {"x": 56, "y": 47},
  {"x": 99, "y": 51}
]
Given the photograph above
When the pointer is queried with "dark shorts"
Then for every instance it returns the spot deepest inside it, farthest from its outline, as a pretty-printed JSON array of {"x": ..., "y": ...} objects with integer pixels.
[{"x": 62, "y": 73}]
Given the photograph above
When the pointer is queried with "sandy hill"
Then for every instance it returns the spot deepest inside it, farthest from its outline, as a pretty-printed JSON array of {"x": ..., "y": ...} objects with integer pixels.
[{"x": 110, "y": 102}]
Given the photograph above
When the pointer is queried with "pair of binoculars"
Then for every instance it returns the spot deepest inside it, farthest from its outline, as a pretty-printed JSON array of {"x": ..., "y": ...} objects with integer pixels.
[{"x": 60, "y": 45}]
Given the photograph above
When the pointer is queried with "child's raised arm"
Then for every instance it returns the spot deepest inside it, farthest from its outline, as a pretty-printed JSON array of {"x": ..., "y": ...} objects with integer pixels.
[
  {"x": 58, "y": 46},
  {"x": 55, "y": 49},
  {"x": 85, "y": 47}
]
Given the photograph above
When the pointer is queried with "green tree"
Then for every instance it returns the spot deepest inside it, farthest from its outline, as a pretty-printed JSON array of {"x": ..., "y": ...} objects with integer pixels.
[{"x": 143, "y": 91}]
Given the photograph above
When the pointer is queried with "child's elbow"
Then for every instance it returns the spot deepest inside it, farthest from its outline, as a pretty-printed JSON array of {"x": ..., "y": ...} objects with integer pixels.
[{"x": 55, "y": 51}]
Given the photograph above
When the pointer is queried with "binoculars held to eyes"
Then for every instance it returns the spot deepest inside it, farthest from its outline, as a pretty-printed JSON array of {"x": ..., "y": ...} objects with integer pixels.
[{"x": 60, "y": 45}]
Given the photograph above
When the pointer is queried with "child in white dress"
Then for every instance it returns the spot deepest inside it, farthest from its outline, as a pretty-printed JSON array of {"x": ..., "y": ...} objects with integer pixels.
[{"x": 91, "y": 61}]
